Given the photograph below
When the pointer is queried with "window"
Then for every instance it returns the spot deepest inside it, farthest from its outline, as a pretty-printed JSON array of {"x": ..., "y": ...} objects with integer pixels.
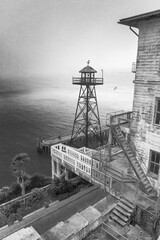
[
  {"x": 157, "y": 112},
  {"x": 154, "y": 163}
]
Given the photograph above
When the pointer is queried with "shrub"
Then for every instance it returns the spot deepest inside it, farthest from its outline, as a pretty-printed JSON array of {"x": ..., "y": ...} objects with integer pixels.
[
  {"x": 11, "y": 218},
  {"x": 36, "y": 197},
  {"x": 4, "y": 195},
  {"x": 61, "y": 186},
  {"x": 5, "y": 189},
  {"x": 56, "y": 181},
  {"x": 3, "y": 218},
  {"x": 12, "y": 209},
  {"x": 15, "y": 190},
  {"x": 36, "y": 181},
  {"x": 70, "y": 187}
]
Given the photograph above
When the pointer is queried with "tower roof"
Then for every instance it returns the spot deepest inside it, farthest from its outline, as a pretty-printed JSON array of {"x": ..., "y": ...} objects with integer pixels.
[{"x": 88, "y": 69}]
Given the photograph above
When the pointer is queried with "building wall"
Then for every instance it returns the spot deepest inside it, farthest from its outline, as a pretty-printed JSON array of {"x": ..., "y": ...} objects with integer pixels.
[
  {"x": 148, "y": 51},
  {"x": 144, "y": 134}
]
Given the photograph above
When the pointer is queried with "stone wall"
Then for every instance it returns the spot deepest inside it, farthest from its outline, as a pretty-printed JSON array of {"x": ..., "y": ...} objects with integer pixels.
[{"x": 148, "y": 221}]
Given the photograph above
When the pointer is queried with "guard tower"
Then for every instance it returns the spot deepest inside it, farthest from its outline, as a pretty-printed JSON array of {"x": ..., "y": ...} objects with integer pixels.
[{"x": 87, "y": 120}]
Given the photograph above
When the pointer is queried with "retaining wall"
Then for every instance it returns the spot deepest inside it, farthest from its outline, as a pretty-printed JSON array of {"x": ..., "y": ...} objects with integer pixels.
[{"x": 76, "y": 227}]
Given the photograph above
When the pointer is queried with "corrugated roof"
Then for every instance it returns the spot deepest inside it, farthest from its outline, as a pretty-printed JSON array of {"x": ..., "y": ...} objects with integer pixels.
[
  {"x": 87, "y": 69},
  {"x": 134, "y": 20}
]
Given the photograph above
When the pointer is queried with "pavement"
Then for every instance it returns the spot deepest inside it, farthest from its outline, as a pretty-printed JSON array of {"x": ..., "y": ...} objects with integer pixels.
[{"x": 45, "y": 213}]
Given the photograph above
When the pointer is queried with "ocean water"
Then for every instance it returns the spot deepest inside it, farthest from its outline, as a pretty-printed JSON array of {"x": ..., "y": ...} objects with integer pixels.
[{"x": 33, "y": 108}]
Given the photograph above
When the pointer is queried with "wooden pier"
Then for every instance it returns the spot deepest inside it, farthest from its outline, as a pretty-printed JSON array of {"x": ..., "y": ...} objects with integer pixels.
[
  {"x": 94, "y": 141},
  {"x": 44, "y": 145}
]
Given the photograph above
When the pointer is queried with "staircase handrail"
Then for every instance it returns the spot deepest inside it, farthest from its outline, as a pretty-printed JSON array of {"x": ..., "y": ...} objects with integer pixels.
[
  {"x": 141, "y": 162},
  {"x": 112, "y": 127},
  {"x": 114, "y": 131}
]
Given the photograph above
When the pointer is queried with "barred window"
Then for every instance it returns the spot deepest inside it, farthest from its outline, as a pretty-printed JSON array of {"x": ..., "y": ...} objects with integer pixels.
[
  {"x": 157, "y": 112},
  {"x": 154, "y": 163}
]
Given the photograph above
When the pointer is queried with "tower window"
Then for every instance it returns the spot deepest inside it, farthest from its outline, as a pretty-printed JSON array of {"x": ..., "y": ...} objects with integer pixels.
[
  {"x": 154, "y": 163},
  {"x": 157, "y": 112}
]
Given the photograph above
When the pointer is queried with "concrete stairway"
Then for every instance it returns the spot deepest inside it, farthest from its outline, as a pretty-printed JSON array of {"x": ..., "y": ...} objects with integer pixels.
[
  {"x": 122, "y": 212},
  {"x": 116, "y": 130}
]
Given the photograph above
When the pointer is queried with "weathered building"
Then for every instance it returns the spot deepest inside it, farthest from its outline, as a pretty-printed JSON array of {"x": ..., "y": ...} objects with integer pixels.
[{"x": 145, "y": 126}]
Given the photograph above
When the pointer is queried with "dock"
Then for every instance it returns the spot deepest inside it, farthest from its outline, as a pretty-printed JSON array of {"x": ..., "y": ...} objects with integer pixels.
[
  {"x": 121, "y": 117},
  {"x": 44, "y": 145}
]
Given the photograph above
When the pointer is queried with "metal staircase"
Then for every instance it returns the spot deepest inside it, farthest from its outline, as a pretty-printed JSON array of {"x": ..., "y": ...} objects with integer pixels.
[
  {"x": 116, "y": 130},
  {"x": 123, "y": 212}
]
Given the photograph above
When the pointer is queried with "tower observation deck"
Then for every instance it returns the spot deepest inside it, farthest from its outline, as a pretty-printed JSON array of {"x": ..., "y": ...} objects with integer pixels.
[{"x": 87, "y": 120}]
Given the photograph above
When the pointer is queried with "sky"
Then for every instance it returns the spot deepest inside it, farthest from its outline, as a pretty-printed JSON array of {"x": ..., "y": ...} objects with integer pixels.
[{"x": 57, "y": 37}]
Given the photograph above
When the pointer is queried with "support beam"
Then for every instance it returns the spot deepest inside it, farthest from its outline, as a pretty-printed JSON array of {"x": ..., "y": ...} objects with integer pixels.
[
  {"x": 110, "y": 140},
  {"x": 66, "y": 174},
  {"x": 58, "y": 170}
]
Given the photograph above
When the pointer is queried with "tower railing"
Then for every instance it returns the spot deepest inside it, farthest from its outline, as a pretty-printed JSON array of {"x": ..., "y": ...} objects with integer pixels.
[{"x": 85, "y": 80}]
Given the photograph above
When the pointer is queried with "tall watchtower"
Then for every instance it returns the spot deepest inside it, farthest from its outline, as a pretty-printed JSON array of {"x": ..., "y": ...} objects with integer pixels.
[{"x": 87, "y": 120}]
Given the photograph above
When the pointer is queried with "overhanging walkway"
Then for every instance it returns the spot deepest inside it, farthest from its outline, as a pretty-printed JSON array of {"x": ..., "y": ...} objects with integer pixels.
[{"x": 87, "y": 164}]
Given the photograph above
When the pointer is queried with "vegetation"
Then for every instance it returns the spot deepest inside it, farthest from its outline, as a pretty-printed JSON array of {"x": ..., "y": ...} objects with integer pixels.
[
  {"x": 37, "y": 180},
  {"x": 8, "y": 193},
  {"x": 18, "y": 168},
  {"x": 58, "y": 189}
]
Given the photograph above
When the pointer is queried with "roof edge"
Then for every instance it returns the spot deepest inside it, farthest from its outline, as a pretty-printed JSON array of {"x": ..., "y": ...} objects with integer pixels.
[{"x": 134, "y": 20}]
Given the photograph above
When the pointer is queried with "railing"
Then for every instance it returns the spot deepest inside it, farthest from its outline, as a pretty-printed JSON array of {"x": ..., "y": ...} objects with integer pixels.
[
  {"x": 134, "y": 194},
  {"x": 102, "y": 178},
  {"x": 70, "y": 156},
  {"x": 146, "y": 203},
  {"x": 142, "y": 163},
  {"x": 121, "y": 174},
  {"x": 119, "y": 117},
  {"x": 108, "y": 116},
  {"x": 133, "y": 67},
  {"x": 86, "y": 80},
  {"x": 81, "y": 164}
]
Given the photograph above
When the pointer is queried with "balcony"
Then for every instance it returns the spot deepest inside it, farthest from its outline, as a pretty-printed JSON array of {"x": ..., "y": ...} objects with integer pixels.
[
  {"x": 87, "y": 81},
  {"x": 120, "y": 118}
]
